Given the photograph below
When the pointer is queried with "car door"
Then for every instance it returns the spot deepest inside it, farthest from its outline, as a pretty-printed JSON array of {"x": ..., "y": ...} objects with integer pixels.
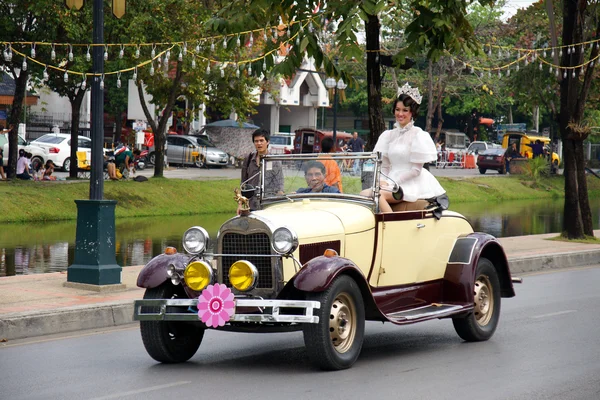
[
  {"x": 175, "y": 150},
  {"x": 415, "y": 246}
]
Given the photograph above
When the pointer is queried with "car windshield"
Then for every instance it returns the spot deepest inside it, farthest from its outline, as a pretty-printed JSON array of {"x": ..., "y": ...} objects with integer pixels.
[
  {"x": 492, "y": 152},
  {"x": 296, "y": 176},
  {"x": 53, "y": 139},
  {"x": 204, "y": 142}
]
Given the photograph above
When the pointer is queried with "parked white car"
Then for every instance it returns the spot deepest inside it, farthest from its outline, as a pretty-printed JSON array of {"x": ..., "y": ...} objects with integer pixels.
[
  {"x": 58, "y": 147},
  {"x": 282, "y": 143},
  {"x": 39, "y": 154},
  {"x": 477, "y": 146}
]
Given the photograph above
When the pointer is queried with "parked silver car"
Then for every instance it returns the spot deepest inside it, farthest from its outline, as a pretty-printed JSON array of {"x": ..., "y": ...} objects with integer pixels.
[{"x": 193, "y": 150}]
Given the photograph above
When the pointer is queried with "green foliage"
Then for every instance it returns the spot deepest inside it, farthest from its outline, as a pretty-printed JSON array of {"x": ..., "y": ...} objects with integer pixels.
[{"x": 536, "y": 168}]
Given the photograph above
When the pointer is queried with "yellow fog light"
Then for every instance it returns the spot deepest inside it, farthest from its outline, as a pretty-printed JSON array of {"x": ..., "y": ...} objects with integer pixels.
[
  {"x": 197, "y": 275},
  {"x": 243, "y": 275}
]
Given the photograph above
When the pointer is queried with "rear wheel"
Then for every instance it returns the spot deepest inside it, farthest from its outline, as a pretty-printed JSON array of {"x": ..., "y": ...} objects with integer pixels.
[
  {"x": 67, "y": 164},
  {"x": 152, "y": 159},
  {"x": 482, "y": 170},
  {"x": 335, "y": 342},
  {"x": 481, "y": 324},
  {"x": 502, "y": 170},
  {"x": 169, "y": 341}
]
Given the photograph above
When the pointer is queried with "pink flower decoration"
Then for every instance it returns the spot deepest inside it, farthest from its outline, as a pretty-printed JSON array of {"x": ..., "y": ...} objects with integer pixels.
[{"x": 216, "y": 305}]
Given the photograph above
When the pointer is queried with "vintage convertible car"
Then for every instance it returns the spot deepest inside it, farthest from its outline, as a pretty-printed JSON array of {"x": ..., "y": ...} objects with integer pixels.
[{"x": 323, "y": 263}]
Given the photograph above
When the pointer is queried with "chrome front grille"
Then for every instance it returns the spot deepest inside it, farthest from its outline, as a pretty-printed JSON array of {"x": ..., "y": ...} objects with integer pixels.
[{"x": 255, "y": 243}]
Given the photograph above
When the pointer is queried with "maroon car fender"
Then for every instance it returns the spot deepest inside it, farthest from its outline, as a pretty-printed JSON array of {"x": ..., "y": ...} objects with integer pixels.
[
  {"x": 317, "y": 274},
  {"x": 462, "y": 264},
  {"x": 155, "y": 272}
]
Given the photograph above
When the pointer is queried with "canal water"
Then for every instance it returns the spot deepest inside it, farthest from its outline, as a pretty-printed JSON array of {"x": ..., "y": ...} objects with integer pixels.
[{"x": 49, "y": 247}]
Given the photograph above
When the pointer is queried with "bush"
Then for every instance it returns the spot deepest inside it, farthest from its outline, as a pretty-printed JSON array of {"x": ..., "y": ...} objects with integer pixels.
[{"x": 536, "y": 168}]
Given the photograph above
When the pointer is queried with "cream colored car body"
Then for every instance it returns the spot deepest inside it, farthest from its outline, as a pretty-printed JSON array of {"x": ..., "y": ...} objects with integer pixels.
[{"x": 408, "y": 251}]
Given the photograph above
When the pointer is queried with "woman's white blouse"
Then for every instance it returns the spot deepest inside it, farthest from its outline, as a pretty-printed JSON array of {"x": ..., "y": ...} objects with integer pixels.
[{"x": 404, "y": 151}]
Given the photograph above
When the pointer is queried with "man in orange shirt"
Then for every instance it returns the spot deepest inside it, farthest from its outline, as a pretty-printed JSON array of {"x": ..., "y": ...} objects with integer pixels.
[{"x": 333, "y": 176}]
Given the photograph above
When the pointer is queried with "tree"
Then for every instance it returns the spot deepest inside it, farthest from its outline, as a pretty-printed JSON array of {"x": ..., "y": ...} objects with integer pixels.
[
  {"x": 435, "y": 26},
  {"x": 20, "y": 22},
  {"x": 191, "y": 67},
  {"x": 580, "y": 23}
]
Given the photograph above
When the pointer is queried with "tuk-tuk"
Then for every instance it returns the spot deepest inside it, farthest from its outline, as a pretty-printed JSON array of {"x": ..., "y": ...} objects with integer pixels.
[
  {"x": 523, "y": 140},
  {"x": 308, "y": 140}
]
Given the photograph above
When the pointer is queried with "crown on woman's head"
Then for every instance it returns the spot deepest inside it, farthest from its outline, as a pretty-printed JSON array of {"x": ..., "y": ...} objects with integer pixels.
[{"x": 412, "y": 92}]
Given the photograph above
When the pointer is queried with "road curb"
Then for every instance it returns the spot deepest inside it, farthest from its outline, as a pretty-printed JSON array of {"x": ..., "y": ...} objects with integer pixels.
[
  {"x": 42, "y": 323},
  {"x": 522, "y": 265}
]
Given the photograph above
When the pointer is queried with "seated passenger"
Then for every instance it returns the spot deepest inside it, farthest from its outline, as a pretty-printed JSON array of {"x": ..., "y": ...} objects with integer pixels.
[
  {"x": 314, "y": 173},
  {"x": 333, "y": 177}
]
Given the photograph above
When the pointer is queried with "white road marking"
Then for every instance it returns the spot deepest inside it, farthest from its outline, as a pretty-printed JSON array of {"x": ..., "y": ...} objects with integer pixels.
[
  {"x": 554, "y": 314},
  {"x": 145, "y": 390}
]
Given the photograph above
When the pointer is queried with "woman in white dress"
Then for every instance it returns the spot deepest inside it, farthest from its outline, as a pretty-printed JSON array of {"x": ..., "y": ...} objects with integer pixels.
[{"x": 405, "y": 149}]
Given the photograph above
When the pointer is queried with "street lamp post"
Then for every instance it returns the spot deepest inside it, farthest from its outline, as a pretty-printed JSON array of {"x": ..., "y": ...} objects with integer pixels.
[
  {"x": 95, "y": 265},
  {"x": 330, "y": 83}
]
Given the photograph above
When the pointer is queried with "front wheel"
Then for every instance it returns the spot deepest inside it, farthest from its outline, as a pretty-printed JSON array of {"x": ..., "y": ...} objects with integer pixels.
[
  {"x": 481, "y": 324},
  {"x": 482, "y": 170},
  {"x": 152, "y": 158},
  {"x": 199, "y": 163},
  {"x": 335, "y": 342},
  {"x": 169, "y": 341}
]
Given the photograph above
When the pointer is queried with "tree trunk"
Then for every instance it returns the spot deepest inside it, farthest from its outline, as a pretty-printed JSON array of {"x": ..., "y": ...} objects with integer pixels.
[
  {"x": 13, "y": 122},
  {"x": 430, "y": 109},
  {"x": 510, "y": 116},
  {"x": 584, "y": 203},
  {"x": 160, "y": 129},
  {"x": 577, "y": 213},
  {"x": 572, "y": 223},
  {"x": 76, "y": 101},
  {"x": 376, "y": 121}
]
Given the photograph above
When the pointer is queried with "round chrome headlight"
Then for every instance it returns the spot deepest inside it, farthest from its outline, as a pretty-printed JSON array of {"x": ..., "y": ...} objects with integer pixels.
[
  {"x": 284, "y": 241},
  {"x": 198, "y": 275},
  {"x": 195, "y": 240}
]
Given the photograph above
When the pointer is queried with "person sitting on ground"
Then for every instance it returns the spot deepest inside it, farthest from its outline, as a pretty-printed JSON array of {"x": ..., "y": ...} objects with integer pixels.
[
  {"x": 111, "y": 167},
  {"x": 23, "y": 166},
  {"x": 314, "y": 173},
  {"x": 333, "y": 176},
  {"x": 48, "y": 170}
]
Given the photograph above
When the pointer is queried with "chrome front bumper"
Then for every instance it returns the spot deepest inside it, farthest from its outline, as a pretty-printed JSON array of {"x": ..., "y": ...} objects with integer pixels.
[{"x": 271, "y": 311}]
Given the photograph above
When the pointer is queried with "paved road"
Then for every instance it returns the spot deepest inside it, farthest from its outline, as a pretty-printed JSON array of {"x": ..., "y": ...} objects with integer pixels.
[{"x": 546, "y": 347}]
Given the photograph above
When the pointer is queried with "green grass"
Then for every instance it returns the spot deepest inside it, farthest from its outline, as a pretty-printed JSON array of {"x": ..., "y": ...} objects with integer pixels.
[
  {"x": 53, "y": 201},
  {"x": 586, "y": 240}
]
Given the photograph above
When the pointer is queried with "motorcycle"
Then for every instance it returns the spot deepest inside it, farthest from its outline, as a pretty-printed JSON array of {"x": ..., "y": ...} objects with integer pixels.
[{"x": 139, "y": 161}]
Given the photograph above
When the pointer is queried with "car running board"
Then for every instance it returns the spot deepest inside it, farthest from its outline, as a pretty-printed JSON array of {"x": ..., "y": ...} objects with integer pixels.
[{"x": 434, "y": 310}]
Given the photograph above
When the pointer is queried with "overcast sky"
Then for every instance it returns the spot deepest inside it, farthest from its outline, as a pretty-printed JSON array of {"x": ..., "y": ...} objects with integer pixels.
[{"x": 513, "y": 5}]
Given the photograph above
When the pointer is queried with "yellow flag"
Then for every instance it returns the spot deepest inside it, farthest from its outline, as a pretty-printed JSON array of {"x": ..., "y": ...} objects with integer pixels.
[
  {"x": 74, "y": 4},
  {"x": 118, "y": 8}
]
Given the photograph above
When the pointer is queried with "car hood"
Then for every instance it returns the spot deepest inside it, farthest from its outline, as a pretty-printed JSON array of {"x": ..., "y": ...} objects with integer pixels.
[{"x": 315, "y": 218}]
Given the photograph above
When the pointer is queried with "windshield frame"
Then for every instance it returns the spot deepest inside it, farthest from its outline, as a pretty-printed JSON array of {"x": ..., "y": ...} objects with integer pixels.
[{"x": 371, "y": 201}]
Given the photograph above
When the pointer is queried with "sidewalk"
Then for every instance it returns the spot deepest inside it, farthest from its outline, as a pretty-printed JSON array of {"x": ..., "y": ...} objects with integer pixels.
[{"x": 38, "y": 305}]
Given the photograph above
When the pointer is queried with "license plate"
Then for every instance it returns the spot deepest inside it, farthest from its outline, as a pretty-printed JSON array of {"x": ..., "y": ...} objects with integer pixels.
[{"x": 489, "y": 157}]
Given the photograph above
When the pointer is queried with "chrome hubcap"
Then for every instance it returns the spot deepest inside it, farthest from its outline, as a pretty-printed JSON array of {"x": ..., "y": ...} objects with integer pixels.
[
  {"x": 484, "y": 300},
  {"x": 342, "y": 323}
]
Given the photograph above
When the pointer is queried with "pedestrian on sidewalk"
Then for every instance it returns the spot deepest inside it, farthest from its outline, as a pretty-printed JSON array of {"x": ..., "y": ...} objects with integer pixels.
[
  {"x": 251, "y": 167},
  {"x": 356, "y": 145}
]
